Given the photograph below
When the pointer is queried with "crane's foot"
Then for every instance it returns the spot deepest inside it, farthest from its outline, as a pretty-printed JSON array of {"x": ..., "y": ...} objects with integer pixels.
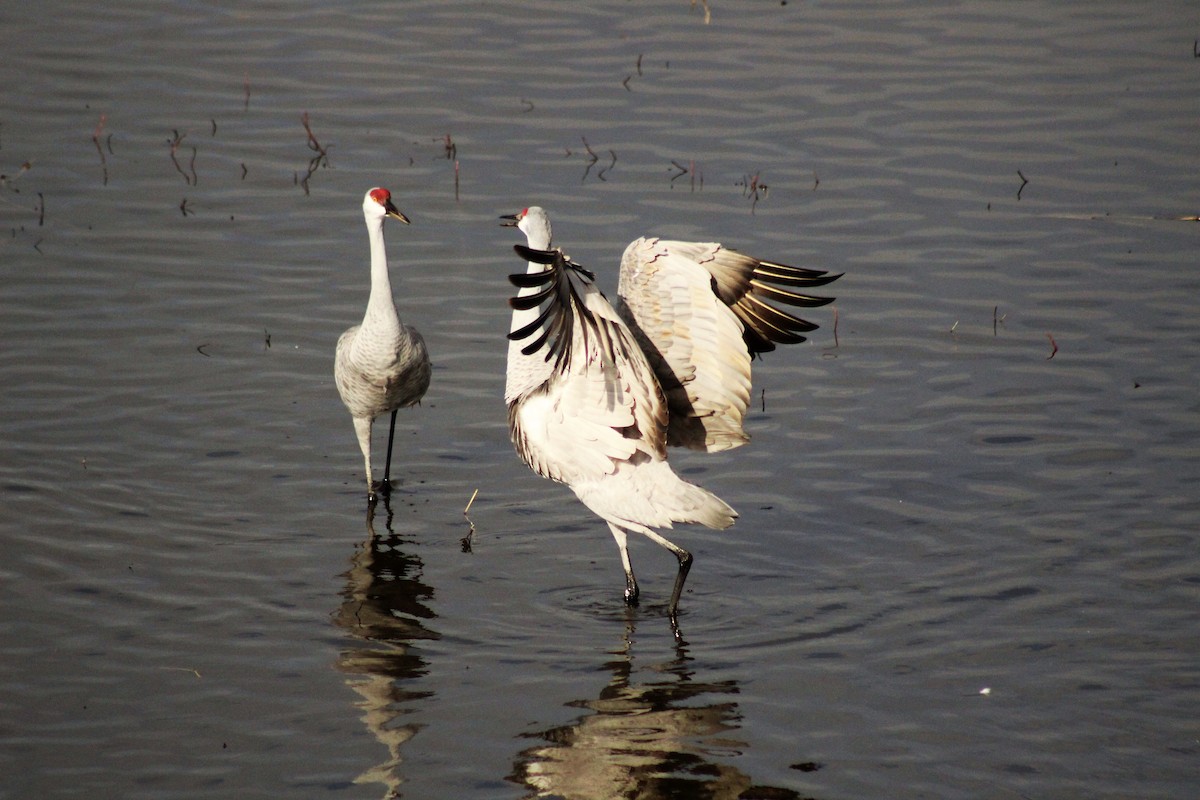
[{"x": 631, "y": 591}]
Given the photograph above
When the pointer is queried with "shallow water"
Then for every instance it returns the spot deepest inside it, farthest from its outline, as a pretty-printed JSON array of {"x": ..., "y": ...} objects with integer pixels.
[{"x": 966, "y": 563}]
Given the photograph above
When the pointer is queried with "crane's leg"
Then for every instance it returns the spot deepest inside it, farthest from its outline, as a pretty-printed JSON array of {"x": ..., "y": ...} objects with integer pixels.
[
  {"x": 631, "y": 587},
  {"x": 362, "y": 427},
  {"x": 386, "y": 486},
  {"x": 685, "y": 564}
]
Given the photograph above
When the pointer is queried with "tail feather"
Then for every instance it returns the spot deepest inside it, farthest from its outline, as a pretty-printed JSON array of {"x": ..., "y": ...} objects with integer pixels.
[{"x": 652, "y": 495}]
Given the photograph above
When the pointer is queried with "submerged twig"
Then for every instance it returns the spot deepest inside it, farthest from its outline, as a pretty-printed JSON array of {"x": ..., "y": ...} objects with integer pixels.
[
  {"x": 195, "y": 672},
  {"x": 682, "y": 171},
  {"x": 1053, "y": 344},
  {"x": 321, "y": 159},
  {"x": 174, "y": 142},
  {"x": 592, "y": 158},
  {"x": 467, "y": 540},
  {"x": 604, "y": 171},
  {"x": 753, "y": 187},
  {"x": 96, "y": 141},
  {"x": 691, "y": 170},
  {"x": 1024, "y": 183}
]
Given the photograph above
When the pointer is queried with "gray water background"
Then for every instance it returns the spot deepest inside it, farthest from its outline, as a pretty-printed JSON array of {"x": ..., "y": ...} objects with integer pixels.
[{"x": 966, "y": 564}]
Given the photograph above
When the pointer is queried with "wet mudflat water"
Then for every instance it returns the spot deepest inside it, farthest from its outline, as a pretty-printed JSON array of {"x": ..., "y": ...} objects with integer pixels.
[{"x": 967, "y": 561}]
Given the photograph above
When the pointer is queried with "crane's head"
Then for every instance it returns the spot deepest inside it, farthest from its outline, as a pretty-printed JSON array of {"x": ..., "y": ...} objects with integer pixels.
[
  {"x": 534, "y": 223},
  {"x": 378, "y": 204}
]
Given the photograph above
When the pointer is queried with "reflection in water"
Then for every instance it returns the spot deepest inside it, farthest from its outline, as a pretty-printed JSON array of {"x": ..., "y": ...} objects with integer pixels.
[
  {"x": 646, "y": 740},
  {"x": 384, "y": 604}
]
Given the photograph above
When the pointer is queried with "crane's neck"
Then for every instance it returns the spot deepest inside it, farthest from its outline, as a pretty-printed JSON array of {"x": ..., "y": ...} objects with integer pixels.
[
  {"x": 538, "y": 238},
  {"x": 381, "y": 309}
]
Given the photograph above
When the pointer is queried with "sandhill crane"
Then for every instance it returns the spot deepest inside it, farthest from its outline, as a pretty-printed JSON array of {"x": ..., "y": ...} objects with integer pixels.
[
  {"x": 595, "y": 393},
  {"x": 380, "y": 365}
]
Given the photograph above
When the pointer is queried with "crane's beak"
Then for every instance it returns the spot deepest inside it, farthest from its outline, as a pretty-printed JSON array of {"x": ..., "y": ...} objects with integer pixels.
[
  {"x": 394, "y": 212},
  {"x": 510, "y": 220}
]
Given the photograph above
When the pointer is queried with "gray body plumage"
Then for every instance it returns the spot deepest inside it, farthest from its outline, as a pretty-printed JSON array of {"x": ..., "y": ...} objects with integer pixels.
[{"x": 381, "y": 364}]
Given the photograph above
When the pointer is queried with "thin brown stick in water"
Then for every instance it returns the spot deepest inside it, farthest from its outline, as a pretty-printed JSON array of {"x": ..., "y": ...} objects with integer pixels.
[
  {"x": 592, "y": 158},
  {"x": 96, "y": 140},
  {"x": 321, "y": 159},
  {"x": 753, "y": 187},
  {"x": 174, "y": 143},
  {"x": 602, "y": 172},
  {"x": 682, "y": 171}
]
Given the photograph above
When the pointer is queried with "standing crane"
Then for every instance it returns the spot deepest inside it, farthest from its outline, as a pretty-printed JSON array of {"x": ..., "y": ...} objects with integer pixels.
[
  {"x": 380, "y": 365},
  {"x": 595, "y": 393}
]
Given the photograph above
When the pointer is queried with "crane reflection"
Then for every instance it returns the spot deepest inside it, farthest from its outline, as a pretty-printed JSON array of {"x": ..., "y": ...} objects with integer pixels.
[
  {"x": 385, "y": 605},
  {"x": 654, "y": 732}
]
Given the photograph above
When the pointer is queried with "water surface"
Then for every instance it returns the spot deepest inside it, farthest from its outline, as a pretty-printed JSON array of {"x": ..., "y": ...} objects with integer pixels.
[{"x": 966, "y": 563}]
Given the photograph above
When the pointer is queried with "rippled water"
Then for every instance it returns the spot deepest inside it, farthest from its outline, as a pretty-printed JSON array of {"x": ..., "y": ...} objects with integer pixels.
[{"x": 966, "y": 564}]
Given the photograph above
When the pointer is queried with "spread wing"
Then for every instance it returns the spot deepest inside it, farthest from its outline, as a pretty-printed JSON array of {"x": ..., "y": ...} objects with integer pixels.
[
  {"x": 701, "y": 312},
  {"x": 600, "y": 405}
]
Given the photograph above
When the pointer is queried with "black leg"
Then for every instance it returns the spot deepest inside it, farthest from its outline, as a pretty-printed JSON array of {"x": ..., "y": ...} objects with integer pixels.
[
  {"x": 386, "y": 486},
  {"x": 685, "y": 564}
]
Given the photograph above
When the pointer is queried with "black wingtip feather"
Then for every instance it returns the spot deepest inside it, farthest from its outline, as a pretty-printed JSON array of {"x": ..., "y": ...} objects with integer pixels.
[
  {"x": 562, "y": 301},
  {"x": 536, "y": 256}
]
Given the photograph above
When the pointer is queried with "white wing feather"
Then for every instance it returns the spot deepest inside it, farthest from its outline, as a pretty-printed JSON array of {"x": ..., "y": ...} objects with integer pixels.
[{"x": 692, "y": 338}]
